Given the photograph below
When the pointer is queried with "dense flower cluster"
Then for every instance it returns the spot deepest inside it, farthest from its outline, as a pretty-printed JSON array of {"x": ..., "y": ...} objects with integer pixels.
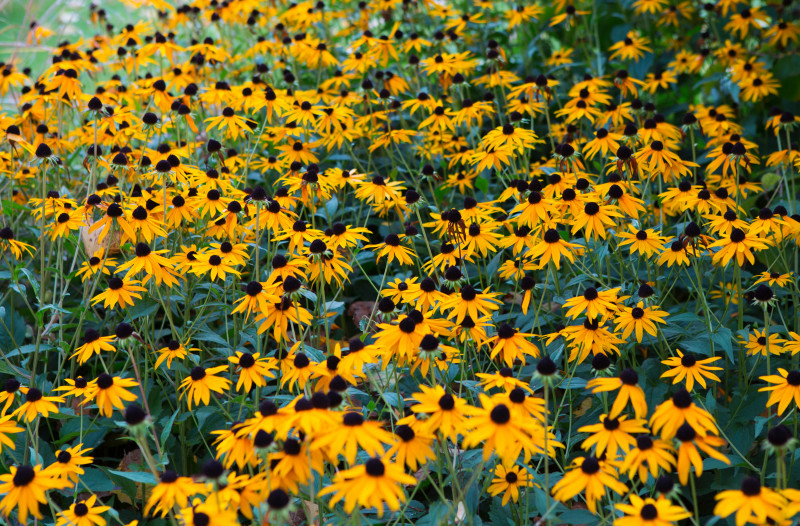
[{"x": 403, "y": 261}]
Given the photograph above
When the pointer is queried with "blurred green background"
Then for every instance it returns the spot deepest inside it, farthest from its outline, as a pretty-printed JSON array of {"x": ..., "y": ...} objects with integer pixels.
[{"x": 67, "y": 19}]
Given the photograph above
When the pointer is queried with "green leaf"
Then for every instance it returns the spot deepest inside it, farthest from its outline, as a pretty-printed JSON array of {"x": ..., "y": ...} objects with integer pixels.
[
  {"x": 97, "y": 480},
  {"x": 207, "y": 335},
  {"x": 12, "y": 329},
  {"x": 577, "y": 517},
  {"x": 168, "y": 427},
  {"x": 482, "y": 185},
  {"x": 142, "y": 308},
  {"x": 31, "y": 279},
  {"x": 141, "y": 477},
  {"x": 391, "y": 399},
  {"x": 724, "y": 338}
]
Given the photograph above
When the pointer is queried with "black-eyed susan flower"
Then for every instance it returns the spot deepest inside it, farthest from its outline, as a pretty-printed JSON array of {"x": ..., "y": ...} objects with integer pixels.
[
  {"x": 152, "y": 263},
  {"x": 256, "y": 299},
  {"x": 782, "y": 33},
  {"x": 502, "y": 379},
  {"x": 201, "y": 382},
  {"x": 414, "y": 447},
  {"x": 691, "y": 443},
  {"x": 108, "y": 392},
  {"x": 235, "y": 446},
  {"x": 7, "y": 242},
  {"x": 639, "y": 319},
  {"x": 651, "y": 455},
  {"x": 353, "y": 486},
  {"x": 278, "y": 316},
  {"x": 83, "y": 513},
  {"x": 120, "y": 293},
  {"x": 739, "y": 245},
  {"x": 501, "y": 430},
  {"x": 70, "y": 461},
  {"x": 393, "y": 249},
  {"x": 629, "y": 391},
  {"x": 508, "y": 480},
  {"x": 93, "y": 343},
  {"x": 8, "y": 395},
  {"x": 758, "y": 343},
  {"x": 591, "y": 475},
  {"x": 752, "y": 503},
  {"x": 170, "y": 491},
  {"x": 174, "y": 350},
  {"x": 746, "y": 19},
  {"x": 649, "y": 511},
  {"x": 298, "y": 371},
  {"x": 645, "y": 242},
  {"x": 595, "y": 304},
  {"x": 676, "y": 411},
  {"x": 469, "y": 301},
  {"x": 8, "y": 427},
  {"x": 36, "y": 404},
  {"x": 24, "y": 489},
  {"x": 594, "y": 219},
  {"x": 352, "y": 433},
  {"x": 214, "y": 266},
  {"x": 209, "y": 511},
  {"x": 612, "y": 434},
  {"x": 774, "y": 278},
  {"x": 65, "y": 223},
  {"x": 687, "y": 367},
  {"x": 511, "y": 345},
  {"x": 232, "y": 124},
  {"x": 445, "y": 412},
  {"x": 553, "y": 247},
  {"x": 99, "y": 263},
  {"x": 295, "y": 463},
  {"x": 784, "y": 389},
  {"x": 253, "y": 369},
  {"x": 309, "y": 416}
]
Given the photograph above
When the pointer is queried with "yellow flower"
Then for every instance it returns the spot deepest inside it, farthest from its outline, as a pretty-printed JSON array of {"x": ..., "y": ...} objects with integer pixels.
[
  {"x": 352, "y": 433},
  {"x": 36, "y": 404},
  {"x": 373, "y": 484},
  {"x": 632, "y": 47},
  {"x": 629, "y": 390},
  {"x": 445, "y": 412},
  {"x": 596, "y": 304},
  {"x": 785, "y": 389},
  {"x": 83, "y": 513},
  {"x": 232, "y": 124},
  {"x": 69, "y": 461},
  {"x": 649, "y": 456},
  {"x": 8, "y": 427},
  {"x": 253, "y": 370},
  {"x": 170, "y": 491},
  {"x": 649, "y": 512},
  {"x": 508, "y": 481},
  {"x": 612, "y": 434},
  {"x": 120, "y": 293},
  {"x": 753, "y": 503},
  {"x": 740, "y": 245},
  {"x": 24, "y": 488},
  {"x": 758, "y": 343},
  {"x": 687, "y": 367},
  {"x": 201, "y": 382},
  {"x": 109, "y": 392},
  {"x": 591, "y": 475},
  {"x": 670, "y": 415},
  {"x": 640, "y": 319},
  {"x": 691, "y": 443}
]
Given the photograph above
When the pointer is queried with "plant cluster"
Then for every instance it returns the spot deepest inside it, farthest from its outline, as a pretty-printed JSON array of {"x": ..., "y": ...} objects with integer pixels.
[{"x": 403, "y": 261}]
